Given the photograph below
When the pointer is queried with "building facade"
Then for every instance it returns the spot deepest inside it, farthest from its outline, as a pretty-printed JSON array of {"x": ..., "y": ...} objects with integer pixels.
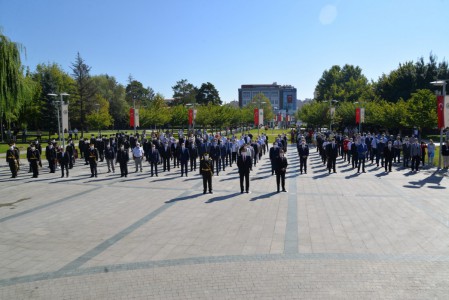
[{"x": 282, "y": 97}]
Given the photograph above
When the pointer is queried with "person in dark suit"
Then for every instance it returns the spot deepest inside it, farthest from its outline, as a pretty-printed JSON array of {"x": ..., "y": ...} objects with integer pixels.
[
  {"x": 281, "y": 169},
  {"x": 122, "y": 158},
  {"x": 184, "y": 157},
  {"x": 389, "y": 153},
  {"x": 175, "y": 153},
  {"x": 193, "y": 151},
  {"x": 166, "y": 155},
  {"x": 274, "y": 153},
  {"x": 215, "y": 154},
  {"x": 303, "y": 152},
  {"x": 331, "y": 154},
  {"x": 153, "y": 157},
  {"x": 244, "y": 165},
  {"x": 63, "y": 158},
  {"x": 50, "y": 155},
  {"x": 207, "y": 171}
]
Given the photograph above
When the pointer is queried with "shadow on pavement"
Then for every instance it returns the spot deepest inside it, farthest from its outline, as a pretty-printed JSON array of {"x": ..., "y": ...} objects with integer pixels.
[
  {"x": 221, "y": 198},
  {"x": 265, "y": 196},
  {"x": 184, "y": 198}
]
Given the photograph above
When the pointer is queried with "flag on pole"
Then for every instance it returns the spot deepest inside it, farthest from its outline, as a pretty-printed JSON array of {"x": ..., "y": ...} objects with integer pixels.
[
  {"x": 190, "y": 116},
  {"x": 362, "y": 115},
  {"x": 131, "y": 117},
  {"x": 357, "y": 115},
  {"x": 256, "y": 117}
]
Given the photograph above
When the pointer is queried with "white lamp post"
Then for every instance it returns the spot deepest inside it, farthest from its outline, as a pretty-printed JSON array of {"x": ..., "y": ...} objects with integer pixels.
[
  {"x": 59, "y": 105},
  {"x": 443, "y": 84}
]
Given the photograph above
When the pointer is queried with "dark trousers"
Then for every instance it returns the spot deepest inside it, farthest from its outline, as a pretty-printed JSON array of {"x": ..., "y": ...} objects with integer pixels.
[
  {"x": 415, "y": 162},
  {"x": 280, "y": 179},
  {"x": 153, "y": 165},
  {"x": 166, "y": 162},
  {"x": 244, "y": 176},
  {"x": 66, "y": 167},
  {"x": 34, "y": 168},
  {"x": 223, "y": 161},
  {"x": 93, "y": 167},
  {"x": 192, "y": 164},
  {"x": 175, "y": 162},
  {"x": 406, "y": 161},
  {"x": 388, "y": 164},
  {"x": 331, "y": 164},
  {"x": 361, "y": 163},
  {"x": 234, "y": 157},
  {"x": 123, "y": 168},
  {"x": 51, "y": 163},
  {"x": 272, "y": 167},
  {"x": 355, "y": 161},
  {"x": 303, "y": 164},
  {"x": 13, "y": 167},
  {"x": 217, "y": 165},
  {"x": 207, "y": 180},
  {"x": 184, "y": 167},
  {"x": 397, "y": 154}
]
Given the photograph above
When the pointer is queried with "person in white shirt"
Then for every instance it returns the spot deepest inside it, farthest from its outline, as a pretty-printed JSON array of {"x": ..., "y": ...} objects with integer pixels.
[{"x": 138, "y": 156}]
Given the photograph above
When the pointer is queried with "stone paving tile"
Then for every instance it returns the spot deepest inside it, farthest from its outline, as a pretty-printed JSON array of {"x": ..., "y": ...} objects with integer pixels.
[{"x": 332, "y": 236}]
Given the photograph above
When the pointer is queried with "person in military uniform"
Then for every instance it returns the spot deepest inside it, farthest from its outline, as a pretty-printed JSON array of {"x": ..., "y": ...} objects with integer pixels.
[
  {"x": 281, "y": 168},
  {"x": 34, "y": 158},
  {"x": 63, "y": 158},
  {"x": 207, "y": 171},
  {"x": 123, "y": 158},
  {"x": 13, "y": 159},
  {"x": 92, "y": 156}
]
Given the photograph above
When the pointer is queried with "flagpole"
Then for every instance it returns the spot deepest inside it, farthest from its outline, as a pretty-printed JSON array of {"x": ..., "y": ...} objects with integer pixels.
[{"x": 443, "y": 84}]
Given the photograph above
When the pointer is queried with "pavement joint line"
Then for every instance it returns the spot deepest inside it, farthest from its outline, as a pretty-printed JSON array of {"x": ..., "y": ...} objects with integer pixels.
[
  {"x": 78, "y": 262},
  {"x": 145, "y": 265},
  {"x": 291, "y": 241},
  {"x": 31, "y": 210}
]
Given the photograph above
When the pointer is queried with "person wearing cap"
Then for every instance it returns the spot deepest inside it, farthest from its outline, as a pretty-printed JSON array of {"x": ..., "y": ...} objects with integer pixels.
[
  {"x": 92, "y": 156},
  {"x": 281, "y": 169},
  {"x": 63, "y": 158},
  {"x": 244, "y": 164},
  {"x": 138, "y": 156},
  {"x": 207, "y": 171},
  {"x": 13, "y": 159},
  {"x": 34, "y": 158}
]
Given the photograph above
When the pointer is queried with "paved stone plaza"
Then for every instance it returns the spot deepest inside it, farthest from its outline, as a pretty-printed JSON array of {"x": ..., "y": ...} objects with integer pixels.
[{"x": 344, "y": 235}]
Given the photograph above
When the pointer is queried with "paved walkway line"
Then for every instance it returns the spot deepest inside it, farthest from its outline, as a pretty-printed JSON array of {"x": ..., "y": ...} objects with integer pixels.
[
  {"x": 291, "y": 243},
  {"x": 117, "y": 237},
  {"x": 31, "y": 210}
]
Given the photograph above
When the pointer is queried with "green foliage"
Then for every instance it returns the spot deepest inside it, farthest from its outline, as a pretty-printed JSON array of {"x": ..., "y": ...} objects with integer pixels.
[
  {"x": 343, "y": 84},
  {"x": 184, "y": 92},
  {"x": 422, "y": 109},
  {"x": 260, "y": 100},
  {"x": 136, "y": 91},
  {"x": 315, "y": 113},
  {"x": 156, "y": 113},
  {"x": 207, "y": 93},
  {"x": 99, "y": 118}
]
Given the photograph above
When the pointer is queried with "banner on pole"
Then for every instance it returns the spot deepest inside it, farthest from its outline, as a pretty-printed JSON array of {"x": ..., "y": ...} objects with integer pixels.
[
  {"x": 190, "y": 116},
  {"x": 260, "y": 117},
  {"x": 65, "y": 117},
  {"x": 357, "y": 115},
  {"x": 131, "y": 117},
  {"x": 256, "y": 117},
  {"x": 136, "y": 119},
  {"x": 362, "y": 115},
  {"x": 443, "y": 111}
]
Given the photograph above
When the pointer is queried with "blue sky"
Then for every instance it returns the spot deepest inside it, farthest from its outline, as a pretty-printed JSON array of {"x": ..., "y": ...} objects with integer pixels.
[{"x": 227, "y": 42}]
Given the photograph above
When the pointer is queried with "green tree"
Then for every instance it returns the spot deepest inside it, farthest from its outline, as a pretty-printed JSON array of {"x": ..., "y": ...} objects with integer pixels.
[
  {"x": 207, "y": 93},
  {"x": 343, "y": 84},
  {"x": 421, "y": 112},
  {"x": 99, "y": 117},
  {"x": 315, "y": 113},
  {"x": 261, "y": 101},
  {"x": 108, "y": 88},
  {"x": 136, "y": 91},
  {"x": 84, "y": 89},
  {"x": 179, "y": 115},
  {"x": 184, "y": 92},
  {"x": 156, "y": 114}
]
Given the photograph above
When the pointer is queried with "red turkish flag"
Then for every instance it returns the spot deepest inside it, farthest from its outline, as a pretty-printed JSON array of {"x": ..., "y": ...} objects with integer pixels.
[
  {"x": 190, "y": 116},
  {"x": 256, "y": 116},
  {"x": 440, "y": 111},
  {"x": 131, "y": 117},
  {"x": 357, "y": 115}
]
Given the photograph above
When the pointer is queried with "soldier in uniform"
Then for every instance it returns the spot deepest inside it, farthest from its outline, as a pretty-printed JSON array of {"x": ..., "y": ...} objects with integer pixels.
[
  {"x": 12, "y": 158},
  {"x": 92, "y": 155},
  {"x": 34, "y": 158},
  {"x": 122, "y": 159},
  {"x": 207, "y": 171}
]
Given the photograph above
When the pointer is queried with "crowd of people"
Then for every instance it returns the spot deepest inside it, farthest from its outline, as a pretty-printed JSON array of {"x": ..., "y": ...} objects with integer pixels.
[
  {"x": 209, "y": 154},
  {"x": 202, "y": 152}
]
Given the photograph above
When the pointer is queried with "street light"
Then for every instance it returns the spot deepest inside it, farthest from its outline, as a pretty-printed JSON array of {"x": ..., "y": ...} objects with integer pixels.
[
  {"x": 59, "y": 105},
  {"x": 330, "y": 112},
  {"x": 443, "y": 84}
]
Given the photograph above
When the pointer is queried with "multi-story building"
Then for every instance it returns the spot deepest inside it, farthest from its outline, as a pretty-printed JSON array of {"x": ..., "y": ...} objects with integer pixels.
[{"x": 282, "y": 97}]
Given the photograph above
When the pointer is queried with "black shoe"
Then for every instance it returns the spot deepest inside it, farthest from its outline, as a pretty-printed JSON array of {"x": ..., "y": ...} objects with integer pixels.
[
  {"x": 91, "y": 176},
  {"x": 210, "y": 192},
  {"x": 277, "y": 191},
  {"x": 62, "y": 176},
  {"x": 204, "y": 192},
  {"x": 248, "y": 192},
  {"x": 284, "y": 190},
  {"x": 241, "y": 192},
  {"x": 95, "y": 175}
]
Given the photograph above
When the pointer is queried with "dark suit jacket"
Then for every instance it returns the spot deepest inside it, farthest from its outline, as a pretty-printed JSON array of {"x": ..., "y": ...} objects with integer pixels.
[
  {"x": 63, "y": 160},
  {"x": 303, "y": 152},
  {"x": 281, "y": 164},
  {"x": 332, "y": 151},
  {"x": 184, "y": 155},
  {"x": 244, "y": 165},
  {"x": 388, "y": 154}
]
